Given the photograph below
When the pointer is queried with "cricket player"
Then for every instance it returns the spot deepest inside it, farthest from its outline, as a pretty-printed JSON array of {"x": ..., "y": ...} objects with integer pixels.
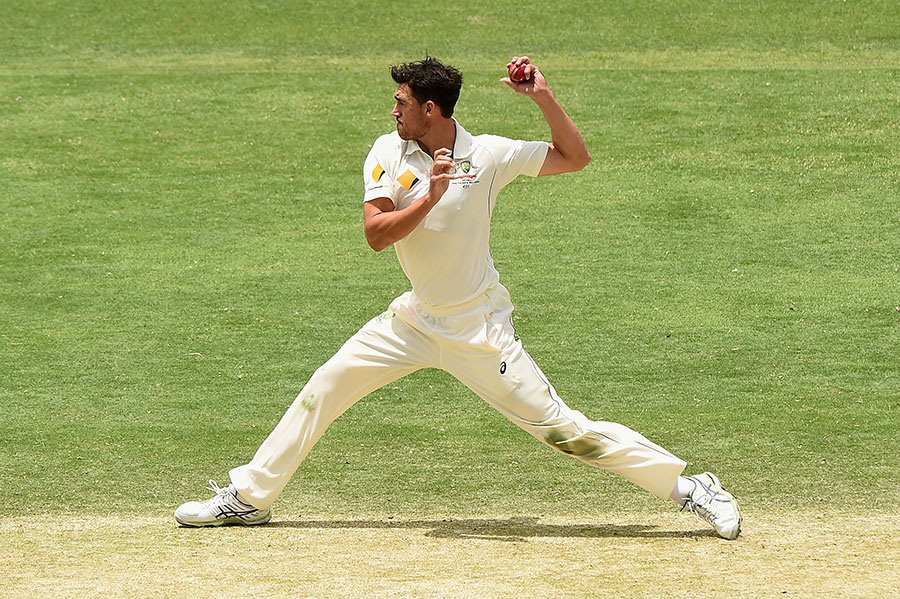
[{"x": 430, "y": 189}]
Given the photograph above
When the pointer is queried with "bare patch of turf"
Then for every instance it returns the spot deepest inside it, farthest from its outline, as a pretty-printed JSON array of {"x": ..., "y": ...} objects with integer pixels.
[{"x": 636, "y": 554}]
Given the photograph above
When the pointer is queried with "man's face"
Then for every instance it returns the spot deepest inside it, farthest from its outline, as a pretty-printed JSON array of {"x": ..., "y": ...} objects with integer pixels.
[{"x": 409, "y": 113}]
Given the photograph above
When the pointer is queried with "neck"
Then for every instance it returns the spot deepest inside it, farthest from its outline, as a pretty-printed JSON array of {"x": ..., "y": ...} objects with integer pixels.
[{"x": 441, "y": 134}]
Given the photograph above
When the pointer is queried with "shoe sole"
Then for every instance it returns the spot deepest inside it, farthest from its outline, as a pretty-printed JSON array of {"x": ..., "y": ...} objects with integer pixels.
[
  {"x": 717, "y": 486},
  {"x": 225, "y": 522}
]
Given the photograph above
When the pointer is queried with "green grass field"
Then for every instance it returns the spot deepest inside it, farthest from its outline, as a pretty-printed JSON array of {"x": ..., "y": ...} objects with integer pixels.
[{"x": 181, "y": 246}]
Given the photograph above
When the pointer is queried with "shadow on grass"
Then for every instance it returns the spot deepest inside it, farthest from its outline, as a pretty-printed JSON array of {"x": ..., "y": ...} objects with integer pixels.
[{"x": 510, "y": 529}]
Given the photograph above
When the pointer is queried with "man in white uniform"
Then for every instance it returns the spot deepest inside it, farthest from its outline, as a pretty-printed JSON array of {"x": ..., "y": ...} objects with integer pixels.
[{"x": 430, "y": 189}]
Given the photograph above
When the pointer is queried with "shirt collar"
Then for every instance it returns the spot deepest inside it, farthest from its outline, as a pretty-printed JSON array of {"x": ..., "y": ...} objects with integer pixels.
[{"x": 462, "y": 147}]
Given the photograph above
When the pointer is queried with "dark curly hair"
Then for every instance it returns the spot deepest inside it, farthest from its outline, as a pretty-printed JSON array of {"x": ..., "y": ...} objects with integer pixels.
[{"x": 429, "y": 79}]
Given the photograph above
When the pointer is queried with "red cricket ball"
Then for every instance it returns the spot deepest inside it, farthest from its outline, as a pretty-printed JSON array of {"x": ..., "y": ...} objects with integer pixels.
[{"x": 518, "y": 74}]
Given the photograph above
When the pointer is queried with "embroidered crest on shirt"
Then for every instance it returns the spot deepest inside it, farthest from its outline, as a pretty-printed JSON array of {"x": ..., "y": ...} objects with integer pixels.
[{"x": 464, "y": 166}]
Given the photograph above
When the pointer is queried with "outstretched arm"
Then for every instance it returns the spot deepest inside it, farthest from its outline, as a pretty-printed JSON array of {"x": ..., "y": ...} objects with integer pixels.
[
  {"x": 385, "y": 226},
  {"x": 568, "y": 151}
]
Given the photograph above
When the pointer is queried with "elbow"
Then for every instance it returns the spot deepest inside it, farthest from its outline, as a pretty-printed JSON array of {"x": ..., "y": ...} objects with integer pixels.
[
  {"x": 582, "y": 160},
  {"x": 376, "y": 242},
  {"x": 379, "y": 233},
  {"x": 574, "y": 161}
]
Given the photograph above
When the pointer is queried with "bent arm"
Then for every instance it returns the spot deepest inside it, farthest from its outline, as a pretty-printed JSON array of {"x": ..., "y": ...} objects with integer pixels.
[
  {"x": 567, "y": 152},
  {"x": 385, "y": 226}
]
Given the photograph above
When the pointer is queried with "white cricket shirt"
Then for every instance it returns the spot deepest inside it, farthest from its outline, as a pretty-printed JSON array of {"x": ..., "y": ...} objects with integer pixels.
[{"x": 447, "y": 258}]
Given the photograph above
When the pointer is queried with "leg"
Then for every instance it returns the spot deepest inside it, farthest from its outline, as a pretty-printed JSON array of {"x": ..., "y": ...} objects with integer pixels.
[
  {"x": 505, "y": 376},
  {"x": 382, "y": 351}
]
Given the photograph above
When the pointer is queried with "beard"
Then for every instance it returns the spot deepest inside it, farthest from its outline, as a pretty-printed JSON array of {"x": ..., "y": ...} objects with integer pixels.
[{"x": 407, "y": 133}]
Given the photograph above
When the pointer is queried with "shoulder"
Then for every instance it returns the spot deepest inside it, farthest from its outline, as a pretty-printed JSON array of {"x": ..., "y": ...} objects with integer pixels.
[
  {"x": 389, "y": 143},
  {"x": 489, "y": 141},
  {"x": 498, "y": 147},
  {"x": 495, "y": 144}
]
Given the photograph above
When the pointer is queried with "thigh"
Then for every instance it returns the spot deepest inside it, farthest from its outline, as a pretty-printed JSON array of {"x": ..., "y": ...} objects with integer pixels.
[
  {"x": 383, "y": 350},
  {"x": 508, "y": 379}
]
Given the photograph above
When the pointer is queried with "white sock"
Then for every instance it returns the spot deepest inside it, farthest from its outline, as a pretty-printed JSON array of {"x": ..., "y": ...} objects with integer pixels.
[{"x": 682, "y": 490}]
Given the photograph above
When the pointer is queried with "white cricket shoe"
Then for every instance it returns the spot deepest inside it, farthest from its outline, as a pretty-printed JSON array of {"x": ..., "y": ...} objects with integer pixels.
[
  {"x": 225, "y": 507},
  {"x": 715, "y": 505}
]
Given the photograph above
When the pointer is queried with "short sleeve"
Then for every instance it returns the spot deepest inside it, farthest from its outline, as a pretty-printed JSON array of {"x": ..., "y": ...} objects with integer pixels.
[
  {"x": 520, "y": 158},
  {"x": 376, "y": 181}
]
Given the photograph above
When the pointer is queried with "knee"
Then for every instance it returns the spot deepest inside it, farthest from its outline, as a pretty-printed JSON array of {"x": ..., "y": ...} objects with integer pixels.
[
  {"x": 318, "y": 387},
  {"x": 584, "y": 446}
]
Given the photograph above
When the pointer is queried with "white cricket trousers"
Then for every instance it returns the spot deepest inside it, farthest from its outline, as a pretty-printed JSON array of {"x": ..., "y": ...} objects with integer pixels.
[{"x": 476, "y": 344}]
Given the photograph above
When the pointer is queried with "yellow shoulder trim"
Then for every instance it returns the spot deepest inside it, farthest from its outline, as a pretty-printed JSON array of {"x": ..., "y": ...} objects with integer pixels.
[{"x": 407, "y": 180}]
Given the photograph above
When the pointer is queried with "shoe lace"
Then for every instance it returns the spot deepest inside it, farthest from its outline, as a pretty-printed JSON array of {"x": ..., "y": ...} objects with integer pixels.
[
  {"x": 227, "y": 501},
  {"x": 703, "y": 506},
  {"x": 216, "y": 488},
  {"x": 221, "y": 496}
]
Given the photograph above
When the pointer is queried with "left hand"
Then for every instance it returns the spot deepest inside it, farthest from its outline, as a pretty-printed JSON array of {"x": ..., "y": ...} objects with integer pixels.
[
  {"x": 534, "y": 83},
  {"x": 443, "y": 170}
]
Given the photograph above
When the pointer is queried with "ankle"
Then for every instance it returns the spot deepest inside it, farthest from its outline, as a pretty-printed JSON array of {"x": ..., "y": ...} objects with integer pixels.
[{"x": 682, "y": 490}]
